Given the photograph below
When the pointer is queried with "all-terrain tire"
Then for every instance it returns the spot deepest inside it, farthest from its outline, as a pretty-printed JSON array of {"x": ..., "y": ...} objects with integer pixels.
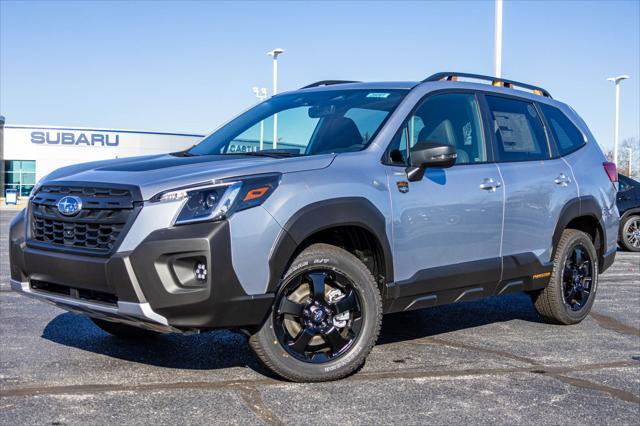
[
  {"x": 273, "y": 355},
  {"x": 550, "y": 302}
]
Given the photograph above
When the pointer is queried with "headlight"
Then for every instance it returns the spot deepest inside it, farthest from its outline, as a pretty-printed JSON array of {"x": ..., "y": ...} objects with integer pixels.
[{"x": 215, "y": 201}]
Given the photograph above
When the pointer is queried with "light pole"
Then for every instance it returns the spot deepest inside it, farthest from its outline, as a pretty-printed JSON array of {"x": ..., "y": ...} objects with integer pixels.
[
  {"x": 275, "y": 53},
  {"x": 617, "y": 81},
  {"x": 261, "y": 94},
  {"x": 497, "y": 41},
  {"x": 274, "y": 91}
]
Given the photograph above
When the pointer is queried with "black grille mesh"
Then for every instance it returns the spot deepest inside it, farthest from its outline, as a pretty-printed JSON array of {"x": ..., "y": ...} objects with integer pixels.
[{"x": 97, "y": 227}]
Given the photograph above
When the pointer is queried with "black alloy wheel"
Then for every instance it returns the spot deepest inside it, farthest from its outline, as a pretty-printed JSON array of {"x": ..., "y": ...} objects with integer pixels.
[
  {"x": 577, "y": 278},
  {"x": 318, "y": 315},
  {"x": 325, "y": 319}
]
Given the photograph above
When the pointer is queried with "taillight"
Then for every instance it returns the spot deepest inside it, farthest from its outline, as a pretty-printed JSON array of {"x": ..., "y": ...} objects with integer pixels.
[{"x": 612, "y": 171}]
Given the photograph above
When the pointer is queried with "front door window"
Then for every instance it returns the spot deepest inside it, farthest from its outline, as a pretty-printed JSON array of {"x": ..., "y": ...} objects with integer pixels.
[{"x": 452, "y": 119}]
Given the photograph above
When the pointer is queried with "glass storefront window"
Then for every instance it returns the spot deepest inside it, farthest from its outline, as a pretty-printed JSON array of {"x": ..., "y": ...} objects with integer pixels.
[{"x": 20, "y": 175}]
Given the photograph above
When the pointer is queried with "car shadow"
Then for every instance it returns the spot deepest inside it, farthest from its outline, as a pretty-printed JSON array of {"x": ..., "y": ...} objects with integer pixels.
[
  {"x": 404, "y": 326},
  {"x": 205, "y": 351},
  {"x": 225, "y": 349}
]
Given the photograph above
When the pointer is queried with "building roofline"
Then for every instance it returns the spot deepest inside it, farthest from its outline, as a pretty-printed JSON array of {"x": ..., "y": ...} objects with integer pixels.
[{"x": 104, "y": 130}]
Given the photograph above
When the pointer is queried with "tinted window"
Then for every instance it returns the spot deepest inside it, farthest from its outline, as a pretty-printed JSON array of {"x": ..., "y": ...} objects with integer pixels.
[
  {"x": 453, "y": 119},
  {"x": 518, "y": 130},
  {"x": 625, "y": 183},
  {"x": 567, "y": 136}
]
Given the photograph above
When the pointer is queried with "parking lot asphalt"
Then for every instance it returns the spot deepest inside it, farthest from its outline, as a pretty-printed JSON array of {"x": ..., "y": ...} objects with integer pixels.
[{"x": 489, "y": 361}]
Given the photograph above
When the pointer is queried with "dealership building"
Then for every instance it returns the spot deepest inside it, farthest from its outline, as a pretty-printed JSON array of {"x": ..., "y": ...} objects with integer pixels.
[{"x": 28, "y": 153}]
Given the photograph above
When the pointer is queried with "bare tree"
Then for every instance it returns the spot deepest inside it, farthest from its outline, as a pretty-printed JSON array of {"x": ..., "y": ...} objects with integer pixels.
[
  {"x": 629, "y": 156},
  {"x": 627, "y": 165}
]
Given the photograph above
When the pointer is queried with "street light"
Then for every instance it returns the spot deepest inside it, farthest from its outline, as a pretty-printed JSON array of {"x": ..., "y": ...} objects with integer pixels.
[
  {"x": 275, "y": 53},
  {"x": 261, "y": 94},
  {"x": 617, "y": 81},
  {"x": 274, "y": 91}
]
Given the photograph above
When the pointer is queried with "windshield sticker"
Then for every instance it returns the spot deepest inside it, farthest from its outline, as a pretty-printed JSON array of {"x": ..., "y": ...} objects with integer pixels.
[{"x": 378, "y": 95}]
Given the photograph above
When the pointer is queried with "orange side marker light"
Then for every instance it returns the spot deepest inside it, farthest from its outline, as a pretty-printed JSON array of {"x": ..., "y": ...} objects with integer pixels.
[
  {"x": 256, "y": 193},
  {"x": 542, "y": 275}
]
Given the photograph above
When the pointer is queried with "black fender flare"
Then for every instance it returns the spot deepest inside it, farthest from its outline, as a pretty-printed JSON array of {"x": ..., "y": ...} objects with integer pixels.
[
  {"x": 580, "y": 207},
  {"x": 321, "y": 215}
]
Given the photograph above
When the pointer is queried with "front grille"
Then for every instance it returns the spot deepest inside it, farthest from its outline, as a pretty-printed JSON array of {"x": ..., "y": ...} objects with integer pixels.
[
  {"x": 74, "y": 293},
  {"x": 97, "y": 228}
]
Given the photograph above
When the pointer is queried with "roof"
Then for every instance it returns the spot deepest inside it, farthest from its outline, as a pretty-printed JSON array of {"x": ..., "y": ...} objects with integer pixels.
[
  {"x": 444, "y": 79},
  {"x": 407, "y": 85}
]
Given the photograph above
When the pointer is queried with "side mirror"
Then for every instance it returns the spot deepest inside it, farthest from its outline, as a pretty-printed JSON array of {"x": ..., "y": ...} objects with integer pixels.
[{"x": 430, "y": 155}]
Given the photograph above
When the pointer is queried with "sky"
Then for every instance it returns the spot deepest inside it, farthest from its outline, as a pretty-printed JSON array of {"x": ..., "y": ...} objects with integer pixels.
[{"x": 190, "y": 66}]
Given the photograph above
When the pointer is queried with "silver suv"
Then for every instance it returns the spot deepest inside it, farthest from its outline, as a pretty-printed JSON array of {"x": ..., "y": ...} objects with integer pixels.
[{"x": 305, "y": 219}]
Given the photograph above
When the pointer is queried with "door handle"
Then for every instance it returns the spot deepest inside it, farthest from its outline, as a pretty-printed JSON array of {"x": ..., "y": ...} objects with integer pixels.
[
  {"x": 562, "y": 180},
  {"x": 488, "y": 184}
]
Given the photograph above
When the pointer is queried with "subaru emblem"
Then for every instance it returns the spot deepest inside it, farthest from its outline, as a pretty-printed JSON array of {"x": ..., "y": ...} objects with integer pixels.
[{"x": 69, "y": 205}]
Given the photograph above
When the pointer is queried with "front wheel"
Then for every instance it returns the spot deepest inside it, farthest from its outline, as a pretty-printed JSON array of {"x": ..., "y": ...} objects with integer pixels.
[
  {"x": 325, "y": 320},
  {"x": 571, "y": 291}
]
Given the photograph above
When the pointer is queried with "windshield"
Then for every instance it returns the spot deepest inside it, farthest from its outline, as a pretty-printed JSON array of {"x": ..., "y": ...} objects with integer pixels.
[{"x": 305, "y": 124}]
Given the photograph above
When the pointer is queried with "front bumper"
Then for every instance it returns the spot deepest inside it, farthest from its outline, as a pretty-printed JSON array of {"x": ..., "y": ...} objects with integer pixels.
[
  {"x": 136, "y": 314},
  {"x": 147, "y": 287}
]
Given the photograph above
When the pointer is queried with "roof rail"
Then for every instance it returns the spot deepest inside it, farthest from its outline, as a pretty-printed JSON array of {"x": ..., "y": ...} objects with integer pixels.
[
  {"x": 328, "y": 83},
  {"x": 495, "y": 81}
]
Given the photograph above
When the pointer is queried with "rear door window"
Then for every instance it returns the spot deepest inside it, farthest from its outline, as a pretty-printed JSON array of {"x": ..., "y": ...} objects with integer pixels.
[
  {"x": 567, "y": 136},
  {"x": 518, "y": 129}
]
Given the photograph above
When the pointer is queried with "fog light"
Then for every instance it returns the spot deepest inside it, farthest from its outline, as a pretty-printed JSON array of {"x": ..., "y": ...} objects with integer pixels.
[{"x": 201, "y": 271}]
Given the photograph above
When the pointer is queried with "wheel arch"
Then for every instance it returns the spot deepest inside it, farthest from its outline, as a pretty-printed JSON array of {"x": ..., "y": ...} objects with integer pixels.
[
  {"x": 583, "y": 214},
  {"x": 357, "y": 221},
  {"x": 629, "y": 212}
]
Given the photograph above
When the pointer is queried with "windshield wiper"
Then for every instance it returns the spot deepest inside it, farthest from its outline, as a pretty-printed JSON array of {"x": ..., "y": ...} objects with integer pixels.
[
  {"x": 274, "y": 153},
  {"x": 185, "y": 153}
]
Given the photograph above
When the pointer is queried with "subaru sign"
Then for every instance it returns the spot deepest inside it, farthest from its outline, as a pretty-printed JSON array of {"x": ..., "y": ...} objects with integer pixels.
[
  {"x": 31, "y": 152},
  {"x": 68, "y": 138}
]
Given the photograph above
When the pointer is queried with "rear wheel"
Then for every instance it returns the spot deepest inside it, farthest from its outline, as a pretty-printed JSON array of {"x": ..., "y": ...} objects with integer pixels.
[
  {"x": 630, "y": 233},
  {"x": 325, "y": 320},
  {"x": 571, "y": 291},
  {"x": 124, "y": 331}
]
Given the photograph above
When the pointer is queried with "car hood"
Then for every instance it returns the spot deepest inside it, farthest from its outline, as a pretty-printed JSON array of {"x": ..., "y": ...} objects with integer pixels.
[{"x": 156, "y": 173}]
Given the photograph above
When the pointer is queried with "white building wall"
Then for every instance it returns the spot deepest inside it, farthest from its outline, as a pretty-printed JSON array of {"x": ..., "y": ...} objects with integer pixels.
[{"x": 55, "y": 147}]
